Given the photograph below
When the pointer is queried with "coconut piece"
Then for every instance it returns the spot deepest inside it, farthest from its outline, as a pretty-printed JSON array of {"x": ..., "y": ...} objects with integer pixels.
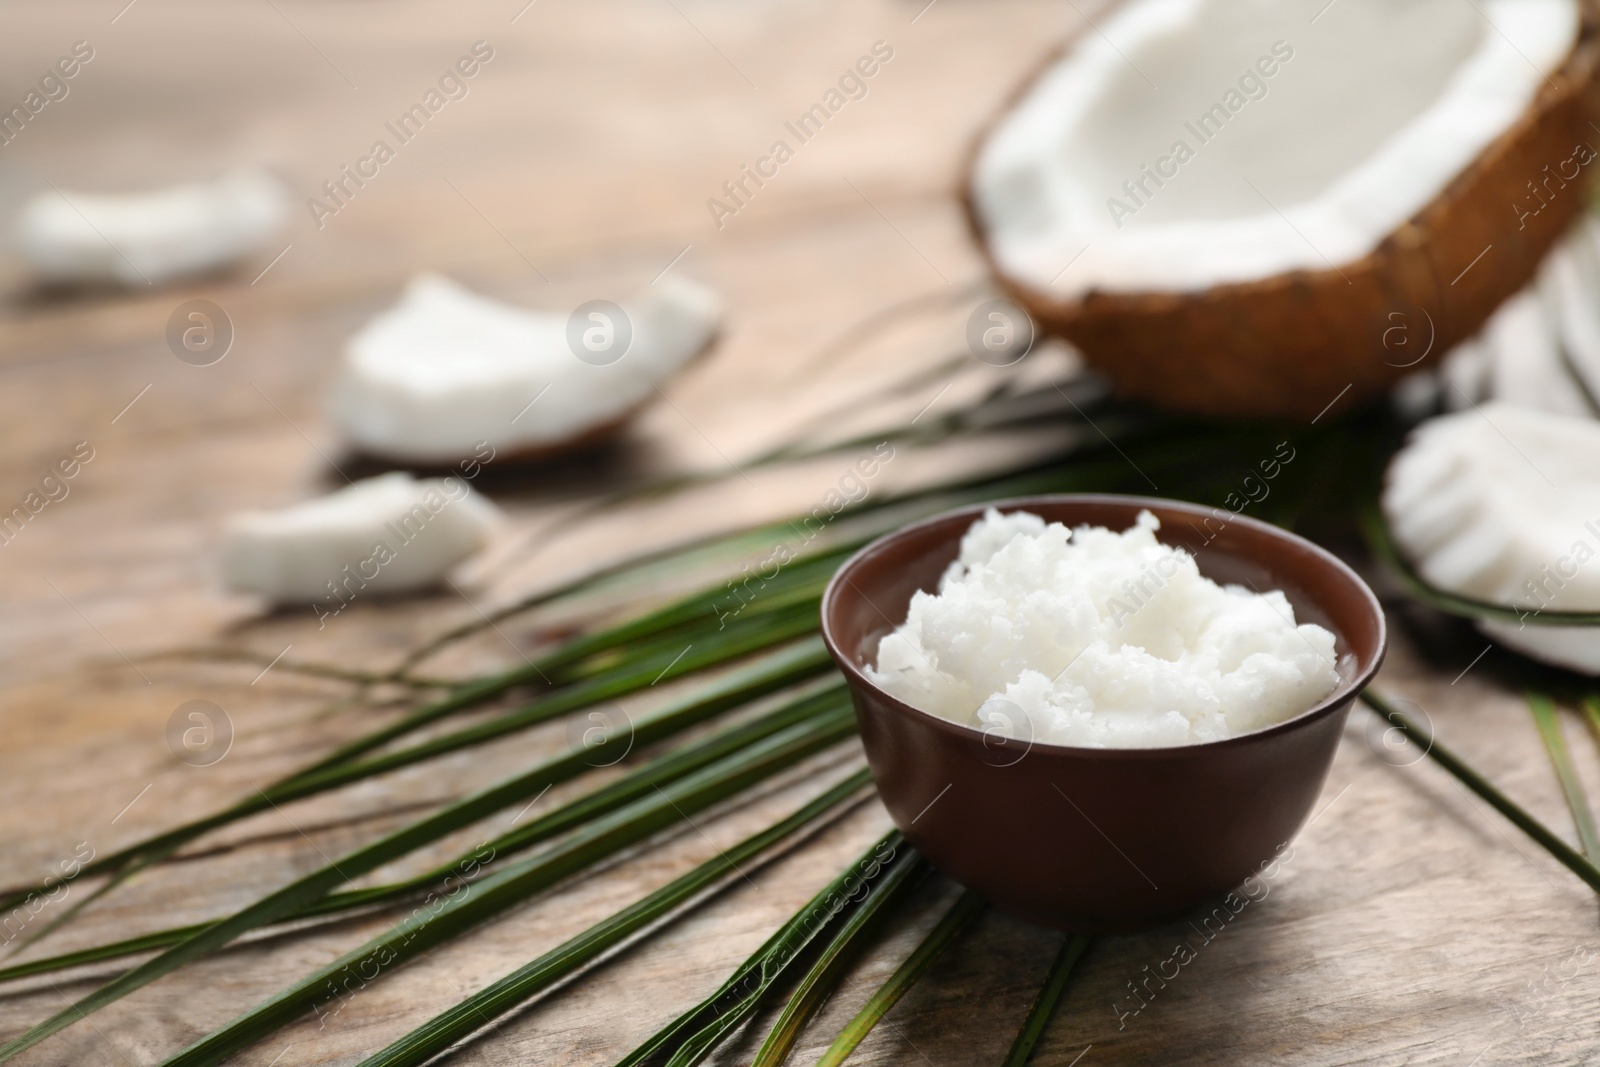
[
  {"x": 1502, "y": 503},
  {"x": 1541, "y": 348},
  {"x": 1576, "y": 648},
  {"x": 388, "y": 534},
  {"x": 1571, "y": 281},
  {"x": 1464, "y": 375},
  {"x": 1237, "y": 242},
  {"x": 1528, "y": 369},
  {"x": 445, "y": 370},
  {"x": 154, "y": 237},
  {"x": 1568, "y": 285}
]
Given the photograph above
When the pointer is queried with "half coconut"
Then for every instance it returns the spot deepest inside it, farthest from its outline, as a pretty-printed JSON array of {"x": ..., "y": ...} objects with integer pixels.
[{"x": 1258, "y": 207}]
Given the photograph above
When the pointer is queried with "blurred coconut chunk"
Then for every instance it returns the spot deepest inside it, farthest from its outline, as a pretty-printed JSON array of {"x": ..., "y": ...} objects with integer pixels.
[
  {"x": 388, "y": 534},
  {"x": 1541, "y": 348},
  {"x": 446, "y": 369},
  {"x": 1571, "y": 280},
  {"x": 152, "y": 237},
  {"x": 1502, "y": 503}
]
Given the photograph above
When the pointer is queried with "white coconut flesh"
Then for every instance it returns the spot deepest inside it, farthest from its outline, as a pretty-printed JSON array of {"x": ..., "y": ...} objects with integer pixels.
[
  {"x": 1502, "y": 503},
  {"x": 388, "y": 534},
  {"x": 151, "y": 237},
  {"x": 445, "y": 370},
  {"x": 1541, "y": 348},
  {"x": 1190, "y": 143}
]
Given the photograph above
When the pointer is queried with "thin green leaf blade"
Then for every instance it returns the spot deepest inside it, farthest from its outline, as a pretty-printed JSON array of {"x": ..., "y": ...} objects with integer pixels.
[
  {"x": 308, "y": 889},
  {"x": 788, "y": 665},
  {"x": 1591, "y": 712},
  {"x": 1564, "y": 853},
  {"x": 663, "y": 769},
  {"x": 493, "y": 895},
  {"x": 100, "y": 953},
  {"x": 581, "y": 695},
  {"x": 763, "y": 631},
  {"x": 1548, "y": 722},
  {"x": 471, "y": 1014},
  {"x": 828, "y": 969},
  {"x": 1044, "y": 1006},
  {"x": 303, "y": 892},
  {"x": 750, "y": 981},
  {"x": 961, "y": 915}
]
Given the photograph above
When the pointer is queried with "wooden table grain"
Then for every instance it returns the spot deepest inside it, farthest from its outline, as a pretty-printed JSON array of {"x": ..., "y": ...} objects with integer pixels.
[{"x": 1412, "y": 925}]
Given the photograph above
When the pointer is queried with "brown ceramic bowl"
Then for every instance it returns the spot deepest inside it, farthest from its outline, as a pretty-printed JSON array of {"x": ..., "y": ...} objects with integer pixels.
[{"x": 1100, "y": 838}]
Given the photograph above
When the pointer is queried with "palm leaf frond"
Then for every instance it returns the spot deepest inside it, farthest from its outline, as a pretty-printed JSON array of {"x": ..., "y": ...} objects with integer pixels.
[
  {"x": 1463, "y": 772},
  {"x": 1548, "y": 722},
  {"x": 1055, "y": 984},
  {"x": 801, "y": 660},
  {"x": 960, "y": 916},
  {"x": 836, "y": 957},
  {"x": 696, "y": 1031},
  {"x": 659, "y": 771},
  {"x": 494, "y": 1000},
  {"x": 486, "y": 898}
]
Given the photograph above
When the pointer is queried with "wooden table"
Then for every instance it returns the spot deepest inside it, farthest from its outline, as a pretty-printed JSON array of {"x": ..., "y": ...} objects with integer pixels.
[{"x": 1413, "y": 925}]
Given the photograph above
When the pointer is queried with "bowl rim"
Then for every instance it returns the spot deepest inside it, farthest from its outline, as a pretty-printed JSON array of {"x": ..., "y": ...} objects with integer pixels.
[{"x": 1342, "y": 695}]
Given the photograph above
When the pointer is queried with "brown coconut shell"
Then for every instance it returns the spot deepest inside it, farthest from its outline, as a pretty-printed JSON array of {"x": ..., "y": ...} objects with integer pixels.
[{"x": 1290, "y": 345}]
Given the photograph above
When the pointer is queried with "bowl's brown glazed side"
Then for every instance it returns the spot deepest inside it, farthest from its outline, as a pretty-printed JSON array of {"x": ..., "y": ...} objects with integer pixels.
[
  {"x": 1099, "y": 839},
  {"x": 1095, "y": 844}
]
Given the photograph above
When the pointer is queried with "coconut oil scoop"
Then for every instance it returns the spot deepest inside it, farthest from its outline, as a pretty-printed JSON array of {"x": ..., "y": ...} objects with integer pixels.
[{"x": 1113, "y": 837}]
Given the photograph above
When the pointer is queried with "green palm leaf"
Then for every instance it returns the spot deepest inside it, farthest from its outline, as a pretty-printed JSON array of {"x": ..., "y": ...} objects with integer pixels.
[
  {"x": 1463, "y": 772},
  {"x": 695, "y": 1032},
  {"x": 829, "y": 968},
  {"x": 1548, "y": 722},
  {"x": 1055, "y": 984},
  {"x": 801, "y": 739},
  {"x": 659, "y": 771},
  {"x": 761, "y": 636},
  {"x": 796, "y": 663},
  {"x": 960, "y": 916},
  {"x": 471, "y": 1014},
  {"x": 515, "y": 883},
  {"x": 1591, "y": 712}
]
